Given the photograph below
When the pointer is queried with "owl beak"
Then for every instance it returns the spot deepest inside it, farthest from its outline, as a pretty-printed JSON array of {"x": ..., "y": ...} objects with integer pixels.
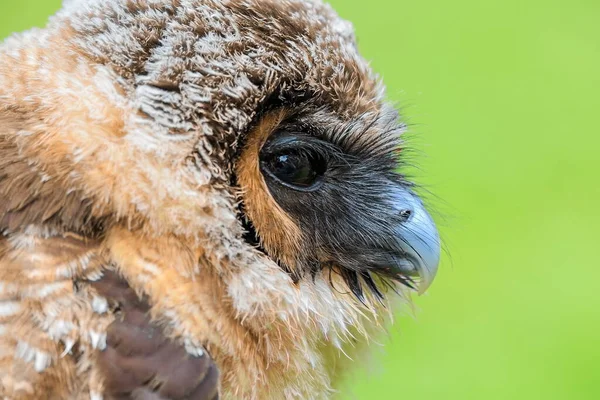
[{"x": 417, "y": 239}]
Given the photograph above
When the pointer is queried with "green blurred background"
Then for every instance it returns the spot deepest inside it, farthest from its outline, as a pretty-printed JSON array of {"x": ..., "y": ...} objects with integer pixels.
[{"x": 502, "y": 102}]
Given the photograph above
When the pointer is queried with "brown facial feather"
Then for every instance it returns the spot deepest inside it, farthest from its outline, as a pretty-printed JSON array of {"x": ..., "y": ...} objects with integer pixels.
[{"x": 278, "y": 233}]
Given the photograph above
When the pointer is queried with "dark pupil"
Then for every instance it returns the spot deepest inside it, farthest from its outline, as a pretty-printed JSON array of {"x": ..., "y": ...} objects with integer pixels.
[{"x": 295, "y": 168}]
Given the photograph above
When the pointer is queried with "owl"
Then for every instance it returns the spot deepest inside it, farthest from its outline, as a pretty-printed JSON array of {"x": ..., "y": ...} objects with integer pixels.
[{"x": 198, "y": 198}]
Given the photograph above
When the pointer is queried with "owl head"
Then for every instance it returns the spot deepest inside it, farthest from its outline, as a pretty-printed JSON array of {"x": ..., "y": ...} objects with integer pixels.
[
  {"x": 251, "y": 130},
  {"x": 254, "y": 125}
]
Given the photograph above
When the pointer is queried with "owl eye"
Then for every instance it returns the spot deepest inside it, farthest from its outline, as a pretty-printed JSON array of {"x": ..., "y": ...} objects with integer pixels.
[{"x": 293, "y": 165}]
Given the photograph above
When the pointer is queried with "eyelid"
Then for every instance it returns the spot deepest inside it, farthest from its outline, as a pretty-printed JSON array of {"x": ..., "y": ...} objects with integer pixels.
[{"x": 285, "y": 140}]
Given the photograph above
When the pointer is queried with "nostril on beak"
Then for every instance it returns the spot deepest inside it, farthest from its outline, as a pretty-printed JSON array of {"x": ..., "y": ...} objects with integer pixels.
[{"x": 405, "y": 215}]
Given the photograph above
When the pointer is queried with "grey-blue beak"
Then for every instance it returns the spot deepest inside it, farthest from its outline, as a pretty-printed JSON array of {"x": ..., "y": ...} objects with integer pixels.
[{"x": 417, "y": 239}]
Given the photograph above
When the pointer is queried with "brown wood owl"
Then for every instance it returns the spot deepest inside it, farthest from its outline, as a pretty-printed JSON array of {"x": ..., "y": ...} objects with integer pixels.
[{"x": 200, "y": 191}]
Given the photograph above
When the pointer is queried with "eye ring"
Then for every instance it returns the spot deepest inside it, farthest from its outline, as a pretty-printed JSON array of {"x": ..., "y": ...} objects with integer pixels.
[{"x": 294, "y": 163}]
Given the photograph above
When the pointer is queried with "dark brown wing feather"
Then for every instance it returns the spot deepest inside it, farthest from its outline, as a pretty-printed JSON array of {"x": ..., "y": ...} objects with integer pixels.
[{"x": 140, "y": 362}]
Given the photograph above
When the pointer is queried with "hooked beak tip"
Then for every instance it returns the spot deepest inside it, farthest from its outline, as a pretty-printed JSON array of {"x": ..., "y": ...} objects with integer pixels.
[
  {"x": 420, "y": 241},
  {"x": 426, "y": 279}
]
